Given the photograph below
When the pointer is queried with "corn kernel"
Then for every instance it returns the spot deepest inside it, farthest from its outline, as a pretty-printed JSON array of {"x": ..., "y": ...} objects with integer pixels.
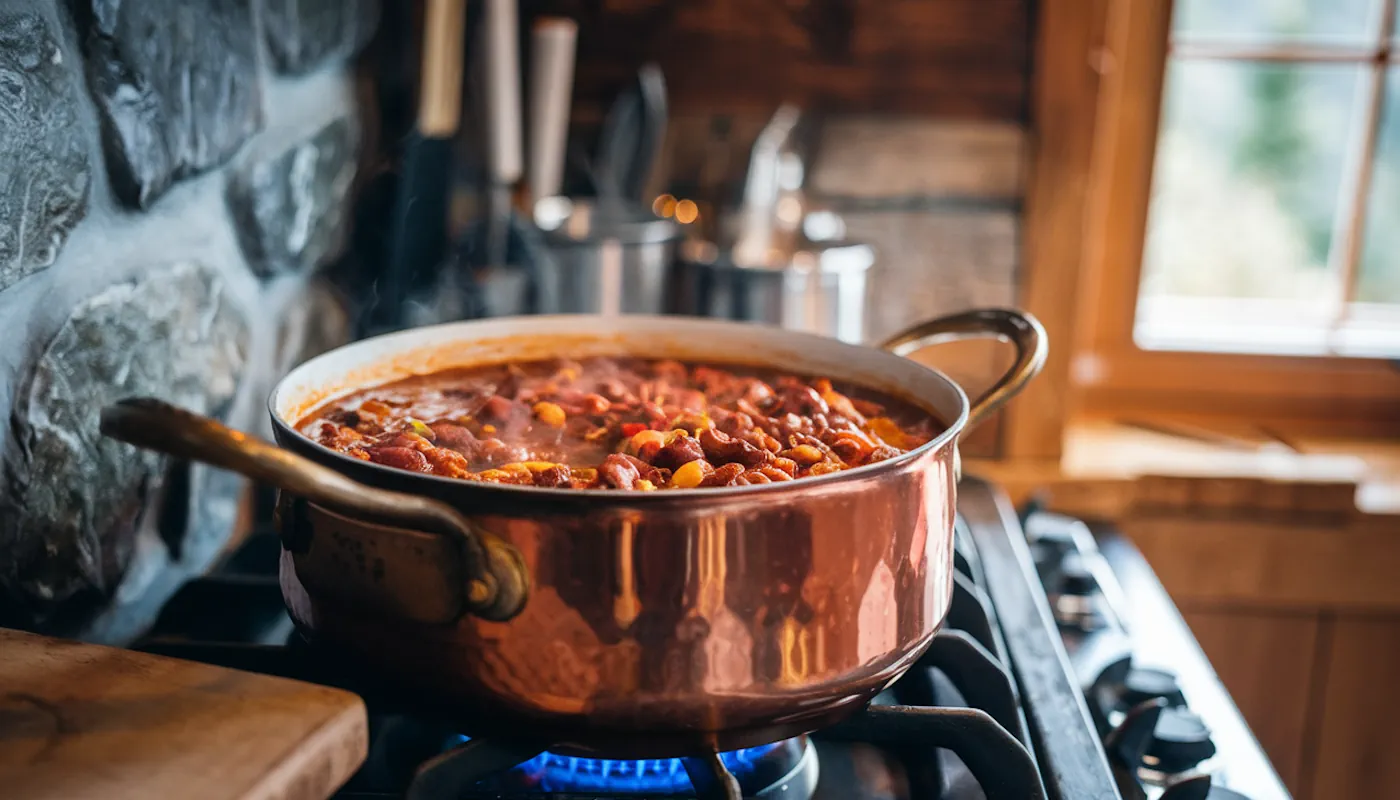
[
  {"x": 689, "y": 475},
  {"x": 550, "y": 414},
  {"x": 488, "y": 429},
  {"x": 645, "y": 485},
  {"x": 642, "y": 437}
]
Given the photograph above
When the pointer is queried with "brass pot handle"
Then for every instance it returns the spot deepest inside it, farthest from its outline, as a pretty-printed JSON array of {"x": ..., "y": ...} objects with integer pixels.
[
  {"x": 496, "y": 583},
  {"x": 1022, "y": 330}
]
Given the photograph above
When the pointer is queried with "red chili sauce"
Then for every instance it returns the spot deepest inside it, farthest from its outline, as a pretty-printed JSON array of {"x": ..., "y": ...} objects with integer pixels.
[{"x": 620, "y": 423}]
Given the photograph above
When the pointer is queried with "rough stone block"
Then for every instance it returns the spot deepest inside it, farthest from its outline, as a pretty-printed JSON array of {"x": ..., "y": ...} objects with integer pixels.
[
  {"x": 303, "y": 34},
  {"x": 176, "y": 85},
  {"x": 72, "y": 499},
  {"x": 290, "y": 207},
  {"x": 44, "y": 172},
  {"x": 316, "y": 320}
]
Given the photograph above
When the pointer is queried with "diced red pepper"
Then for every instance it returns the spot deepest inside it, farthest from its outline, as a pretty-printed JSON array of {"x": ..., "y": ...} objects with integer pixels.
[{"x": 633, "y": 428}]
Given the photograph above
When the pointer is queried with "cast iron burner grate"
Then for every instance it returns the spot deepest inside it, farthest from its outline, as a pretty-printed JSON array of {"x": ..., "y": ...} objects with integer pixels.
[{"x": 956, "y": 721}]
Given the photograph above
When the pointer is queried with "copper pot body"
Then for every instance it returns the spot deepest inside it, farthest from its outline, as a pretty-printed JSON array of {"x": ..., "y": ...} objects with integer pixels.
[
  {"x": 636, "y": 624},
  {"x": 731, "y": 622}
]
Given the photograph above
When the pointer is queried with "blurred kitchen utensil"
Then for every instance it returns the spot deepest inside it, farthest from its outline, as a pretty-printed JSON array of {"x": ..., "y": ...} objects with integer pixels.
[
  {"x": 762, "y": 187},
  {"x": 552, "y": 48},
  {"x": 503, "y": 136},
  {"x": 419, "y": 240},
  {"x": 632, "y": 136},
  {"x": 821, "y": 287},
  {"x": 604, "y": 258}
]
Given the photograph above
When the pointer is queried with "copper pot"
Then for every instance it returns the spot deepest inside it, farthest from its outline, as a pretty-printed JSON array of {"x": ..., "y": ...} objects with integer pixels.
[{"x": 639, "y": 624}]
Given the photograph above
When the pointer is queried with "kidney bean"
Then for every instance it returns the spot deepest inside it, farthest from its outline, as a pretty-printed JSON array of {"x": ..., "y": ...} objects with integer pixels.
[
  {"x": 724, "y": 475},
  {"x": 497, "y": 407},
  {"x": 722, "y": 449},
  {"x": 799, "y": 399},
  {"x": 679, "y": 450},
  {"x": 757, "y": 392},
  {"x": 455, "y": 437},
  {"x": 786, "y": 465},
  {"x": 849, "y": 448},
  {"x": 618, "y": 471},
  {"x": 773, "y": 473}
]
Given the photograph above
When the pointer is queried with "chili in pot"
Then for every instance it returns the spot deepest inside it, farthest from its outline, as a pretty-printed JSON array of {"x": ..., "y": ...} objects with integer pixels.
[{"x": 620, "y": 423}]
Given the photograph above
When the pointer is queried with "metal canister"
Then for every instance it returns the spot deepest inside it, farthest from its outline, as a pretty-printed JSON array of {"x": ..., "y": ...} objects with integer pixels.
[
  {"x": 818, "y": 288},
  {"x": 603, "y": 259}
]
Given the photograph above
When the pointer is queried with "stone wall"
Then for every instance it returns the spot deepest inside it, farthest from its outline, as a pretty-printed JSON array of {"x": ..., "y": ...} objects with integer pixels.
[{"x": 173, "y": 174}]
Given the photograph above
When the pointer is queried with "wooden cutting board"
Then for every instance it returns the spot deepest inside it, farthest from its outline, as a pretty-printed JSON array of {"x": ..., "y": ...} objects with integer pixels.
[{"x": 84, "y": 721}]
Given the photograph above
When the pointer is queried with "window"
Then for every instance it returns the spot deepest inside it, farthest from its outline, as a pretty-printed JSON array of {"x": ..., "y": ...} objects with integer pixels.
[
  {"x": 1241, "y": 241},
  {"x": 1272, "y": 224}
]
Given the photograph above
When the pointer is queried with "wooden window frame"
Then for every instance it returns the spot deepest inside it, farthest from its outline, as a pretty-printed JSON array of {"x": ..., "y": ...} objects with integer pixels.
[{"x": 1110, "y": 374}]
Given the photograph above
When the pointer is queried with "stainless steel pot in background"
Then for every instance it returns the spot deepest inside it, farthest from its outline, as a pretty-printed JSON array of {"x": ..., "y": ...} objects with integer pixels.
[
  {"x": 603, "y": 258},
  {"x": 818, "y": 288}
]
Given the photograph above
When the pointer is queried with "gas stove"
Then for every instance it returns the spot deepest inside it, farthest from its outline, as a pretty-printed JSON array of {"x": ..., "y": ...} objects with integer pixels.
[{"x": 1021, "y": 696}]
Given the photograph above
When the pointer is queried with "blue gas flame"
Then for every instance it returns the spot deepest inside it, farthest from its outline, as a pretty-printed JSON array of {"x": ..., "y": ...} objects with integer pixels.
[{"x": 549, "y": 772}]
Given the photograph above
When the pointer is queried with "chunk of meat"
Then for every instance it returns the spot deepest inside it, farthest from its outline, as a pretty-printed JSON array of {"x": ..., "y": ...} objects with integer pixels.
[
  {"x": 400, "y": 458},
  {"x": 883, "y": 453},
  {"x": 553, "y": 477}
]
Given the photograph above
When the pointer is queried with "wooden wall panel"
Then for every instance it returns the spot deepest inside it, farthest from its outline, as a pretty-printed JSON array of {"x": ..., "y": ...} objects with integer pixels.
[
  {"x": 1065, "y": 106},
  {"x": 1334, "y": 564},
  {"x": 949, "y": 58},
  {"x": 1358, "y": 741},
  {"x": 1263, "y": 658}
]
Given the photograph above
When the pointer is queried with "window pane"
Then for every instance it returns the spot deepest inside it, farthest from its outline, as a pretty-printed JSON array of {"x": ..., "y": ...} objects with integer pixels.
[
  {"x": 1378, "y": 278},
  {"x": 1246, "y": 185},
  {"x": 1320, "y": 21}
]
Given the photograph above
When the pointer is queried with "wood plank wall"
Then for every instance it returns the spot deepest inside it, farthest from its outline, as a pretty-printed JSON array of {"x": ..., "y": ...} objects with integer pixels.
[{"x": 960, "y": 59}]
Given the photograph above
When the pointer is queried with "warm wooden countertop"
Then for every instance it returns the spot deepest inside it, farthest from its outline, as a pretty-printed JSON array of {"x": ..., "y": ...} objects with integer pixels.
[
  {"x": 1108, "y": 467},
  {"x": 85, "y": 721},
  {"x": 1234, "y": 521}
]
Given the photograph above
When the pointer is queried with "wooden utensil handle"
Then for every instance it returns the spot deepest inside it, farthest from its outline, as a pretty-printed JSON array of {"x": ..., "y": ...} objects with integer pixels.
[{"x": 440, "y": 90}]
